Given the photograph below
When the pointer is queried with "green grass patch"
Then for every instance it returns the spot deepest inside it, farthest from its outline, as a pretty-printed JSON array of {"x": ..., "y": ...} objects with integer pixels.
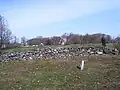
[
  {"x": 30, "y": 48},
  {"x": 103, "y": 74},
  {"x": 19, "y": 49}
]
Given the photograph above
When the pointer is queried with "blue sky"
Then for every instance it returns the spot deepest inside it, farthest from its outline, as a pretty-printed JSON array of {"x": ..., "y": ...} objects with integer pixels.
[{"x": 33, "y": 18}]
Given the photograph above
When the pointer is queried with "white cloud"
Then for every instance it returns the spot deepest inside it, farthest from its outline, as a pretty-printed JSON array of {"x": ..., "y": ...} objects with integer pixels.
[{"x": 38, "y": 14}]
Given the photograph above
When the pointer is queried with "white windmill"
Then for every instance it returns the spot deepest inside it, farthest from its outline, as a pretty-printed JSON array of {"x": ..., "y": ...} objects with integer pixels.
[{"x": 63, "y": 41}]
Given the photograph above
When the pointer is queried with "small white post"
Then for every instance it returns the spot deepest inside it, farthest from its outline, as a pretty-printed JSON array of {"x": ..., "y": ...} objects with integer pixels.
[{"x": 82, "y": 65}]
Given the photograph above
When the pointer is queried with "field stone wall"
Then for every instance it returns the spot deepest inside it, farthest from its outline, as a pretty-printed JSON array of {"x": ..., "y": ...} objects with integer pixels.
[{"x": 56, "y": 53}]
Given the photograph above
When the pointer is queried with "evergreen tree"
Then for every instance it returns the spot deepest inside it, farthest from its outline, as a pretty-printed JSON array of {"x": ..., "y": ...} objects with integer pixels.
[{"x": 103, "y": 41}]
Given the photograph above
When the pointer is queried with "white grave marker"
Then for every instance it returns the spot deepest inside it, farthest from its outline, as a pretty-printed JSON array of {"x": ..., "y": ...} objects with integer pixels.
[{"x": 82, "y": 65}]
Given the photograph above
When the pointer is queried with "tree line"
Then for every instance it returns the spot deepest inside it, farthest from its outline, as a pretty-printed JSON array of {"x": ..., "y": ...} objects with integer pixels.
[{"x": 73, "y": 39}]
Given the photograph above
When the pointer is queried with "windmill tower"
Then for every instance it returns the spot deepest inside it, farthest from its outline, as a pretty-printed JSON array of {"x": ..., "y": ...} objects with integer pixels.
[{"x": 63, "y": 41}]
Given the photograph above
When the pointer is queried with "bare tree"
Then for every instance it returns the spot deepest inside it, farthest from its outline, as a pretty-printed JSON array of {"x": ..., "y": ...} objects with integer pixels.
[
  {"x": 5, "y": 33},
  {"x": 15, "y": 40},
  {"x": 23, "y": 40},
  {"x": 73, "y": 39},
  {"x": 55, "y": 40}
]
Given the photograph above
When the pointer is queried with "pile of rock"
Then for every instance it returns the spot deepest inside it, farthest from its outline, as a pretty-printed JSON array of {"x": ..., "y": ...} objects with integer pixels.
[{"x": 55, "y": 53}]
